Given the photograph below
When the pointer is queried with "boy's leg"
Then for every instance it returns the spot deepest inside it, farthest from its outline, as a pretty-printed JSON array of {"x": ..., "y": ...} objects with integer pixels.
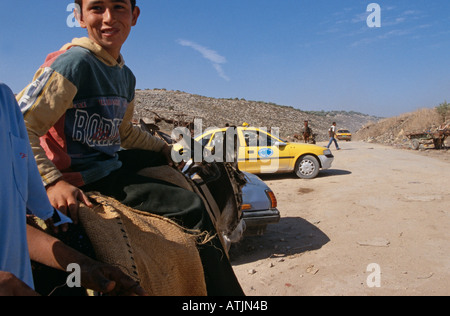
[
  {"x": 330, "y": 142},
  {"x": 336, "y": 143},
  {"x": 147, "y": 194}
]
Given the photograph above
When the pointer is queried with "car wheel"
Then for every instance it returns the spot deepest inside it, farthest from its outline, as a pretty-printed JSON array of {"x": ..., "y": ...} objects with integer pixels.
[{"x": 307, "y": 167}]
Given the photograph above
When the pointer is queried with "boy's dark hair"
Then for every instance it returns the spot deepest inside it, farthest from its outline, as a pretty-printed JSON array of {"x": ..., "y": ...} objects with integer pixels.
[{"x": 133, "y": 3}]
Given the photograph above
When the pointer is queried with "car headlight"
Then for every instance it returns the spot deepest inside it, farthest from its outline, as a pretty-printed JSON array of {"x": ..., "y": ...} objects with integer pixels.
[{"x": 327, "y": 152}]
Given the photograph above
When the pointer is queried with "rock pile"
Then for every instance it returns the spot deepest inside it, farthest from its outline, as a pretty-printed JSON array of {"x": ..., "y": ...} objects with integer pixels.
[{"x": 394, "y": 131}]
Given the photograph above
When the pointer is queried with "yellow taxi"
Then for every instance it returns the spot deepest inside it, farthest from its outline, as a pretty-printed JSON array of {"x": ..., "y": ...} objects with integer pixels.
[
  {"x": 260, "y": 152},
  {"x": 344, "y": 134}
]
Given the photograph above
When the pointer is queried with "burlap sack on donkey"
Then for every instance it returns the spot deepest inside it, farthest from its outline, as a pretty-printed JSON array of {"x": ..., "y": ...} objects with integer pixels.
[{"x": 154, "y": 250}]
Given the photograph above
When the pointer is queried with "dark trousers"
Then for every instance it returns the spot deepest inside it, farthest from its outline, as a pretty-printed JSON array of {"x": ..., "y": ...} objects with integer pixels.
[{"x": 164, "y": 199}]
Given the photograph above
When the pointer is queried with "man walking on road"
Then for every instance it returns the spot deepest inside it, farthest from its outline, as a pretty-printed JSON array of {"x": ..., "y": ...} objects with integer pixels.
[{"x": 332, "y": 134}]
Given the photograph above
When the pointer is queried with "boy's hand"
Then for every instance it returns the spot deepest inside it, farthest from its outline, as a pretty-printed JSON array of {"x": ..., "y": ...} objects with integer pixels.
[
  {"x": 10, "y": 285},
  {"x": 167, "y": 153},
  {"x": 66, "y": 198}
]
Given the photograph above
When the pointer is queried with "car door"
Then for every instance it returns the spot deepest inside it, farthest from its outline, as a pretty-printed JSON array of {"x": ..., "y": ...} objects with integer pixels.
[
  {"x": 281, "y": 150},
  {"x": 259, "y": 152}
]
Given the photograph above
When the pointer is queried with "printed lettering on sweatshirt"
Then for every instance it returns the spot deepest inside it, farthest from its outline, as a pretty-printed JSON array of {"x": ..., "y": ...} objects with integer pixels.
[{"x": 94, "y": 125}]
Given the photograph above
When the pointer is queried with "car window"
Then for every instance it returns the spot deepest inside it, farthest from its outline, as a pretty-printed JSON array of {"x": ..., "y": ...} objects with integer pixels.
[
  {"x": 258, "y": 138},
  {"x": 266, "y": 139},
  {"x": 206, "y": 139},
  {"x": 343, "y": 131},
  {"x": 218, "y": 138},
  {"x": 250, "y": 138}
]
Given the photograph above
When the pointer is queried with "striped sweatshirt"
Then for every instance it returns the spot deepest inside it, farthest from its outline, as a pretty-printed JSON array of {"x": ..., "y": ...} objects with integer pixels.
[{"x": 78, "y": 112}]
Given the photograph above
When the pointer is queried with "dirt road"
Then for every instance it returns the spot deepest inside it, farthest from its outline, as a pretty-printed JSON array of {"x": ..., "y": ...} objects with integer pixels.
[{"x": 377, "y": 223}]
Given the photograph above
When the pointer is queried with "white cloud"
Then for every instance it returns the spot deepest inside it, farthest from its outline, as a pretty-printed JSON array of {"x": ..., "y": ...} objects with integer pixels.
[{"x": 215, "y": 58}]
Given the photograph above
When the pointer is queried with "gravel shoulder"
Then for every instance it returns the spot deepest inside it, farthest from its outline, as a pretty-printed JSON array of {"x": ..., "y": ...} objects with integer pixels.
[{"x": 377, "y": 223}]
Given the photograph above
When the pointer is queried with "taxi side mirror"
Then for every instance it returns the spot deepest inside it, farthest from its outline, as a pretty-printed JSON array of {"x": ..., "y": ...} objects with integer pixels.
[{"x": 279, "y": 144}]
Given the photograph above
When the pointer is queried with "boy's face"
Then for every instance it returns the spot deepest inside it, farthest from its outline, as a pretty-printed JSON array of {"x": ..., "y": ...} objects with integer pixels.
[{"x": 108, "y": 22}]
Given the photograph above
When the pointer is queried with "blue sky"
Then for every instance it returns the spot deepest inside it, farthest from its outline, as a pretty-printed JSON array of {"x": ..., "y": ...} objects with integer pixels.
[{"x": 309, "y": 54}]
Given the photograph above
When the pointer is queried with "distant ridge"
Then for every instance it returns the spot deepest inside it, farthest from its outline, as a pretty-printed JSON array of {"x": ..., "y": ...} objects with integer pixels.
[{"x": 218, "y": 112}]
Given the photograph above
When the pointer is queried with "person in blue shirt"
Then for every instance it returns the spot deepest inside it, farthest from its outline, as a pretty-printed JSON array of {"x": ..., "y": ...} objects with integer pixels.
[{"x": 22, "y": 192}]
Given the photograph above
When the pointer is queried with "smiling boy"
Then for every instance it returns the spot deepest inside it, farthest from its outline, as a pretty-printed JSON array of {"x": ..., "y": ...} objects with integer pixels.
[
  {"x": 111, "y": 36},
  {"x": 78, "y": 113},
  {"x": 78, "y": 109}
]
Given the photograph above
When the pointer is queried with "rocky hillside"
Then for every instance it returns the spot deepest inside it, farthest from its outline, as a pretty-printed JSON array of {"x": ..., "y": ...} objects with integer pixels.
[
  {"x": 394, "y": 130},
  {"x": 176, "y": 105}
]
